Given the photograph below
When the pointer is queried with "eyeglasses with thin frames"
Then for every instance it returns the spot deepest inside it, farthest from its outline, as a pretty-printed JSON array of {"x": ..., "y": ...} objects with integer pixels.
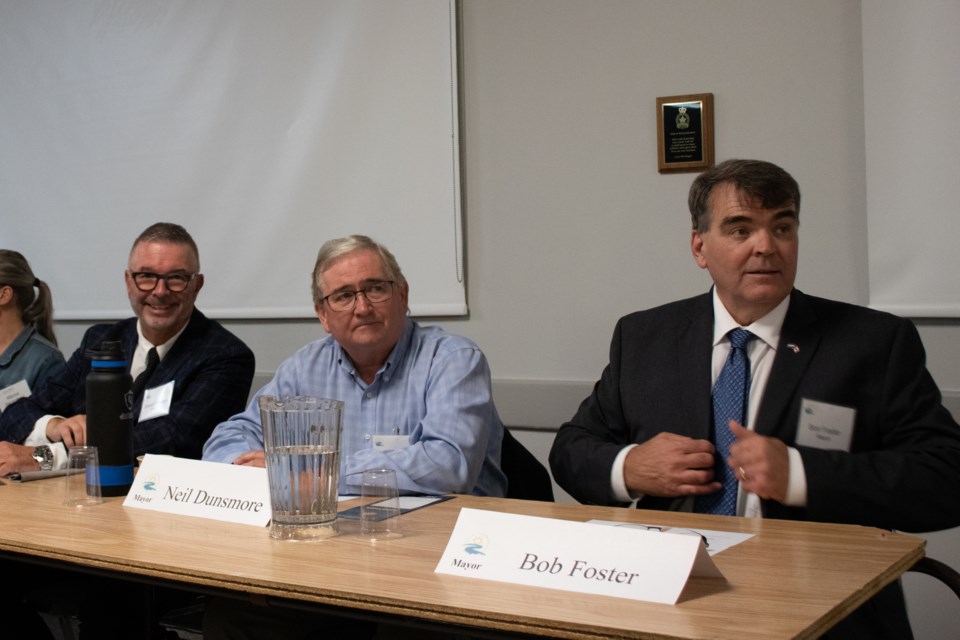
[
  {"x": 379, "y": 291},
  {"x": 175, "y": 282}
]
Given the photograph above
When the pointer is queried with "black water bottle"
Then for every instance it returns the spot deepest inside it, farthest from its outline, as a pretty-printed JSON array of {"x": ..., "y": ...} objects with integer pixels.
[{"x": 109, "y": 417}]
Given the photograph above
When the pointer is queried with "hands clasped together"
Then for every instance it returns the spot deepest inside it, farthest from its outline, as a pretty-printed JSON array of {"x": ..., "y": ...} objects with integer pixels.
[{"x": 670, "y": 465}]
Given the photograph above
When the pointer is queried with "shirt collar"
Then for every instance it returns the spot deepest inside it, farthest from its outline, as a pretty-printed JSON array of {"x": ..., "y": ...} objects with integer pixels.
[
  {"x": 11, "y": 351},
  {"x": 162, "y": 349},
  {"x": 766, "y": 328}
]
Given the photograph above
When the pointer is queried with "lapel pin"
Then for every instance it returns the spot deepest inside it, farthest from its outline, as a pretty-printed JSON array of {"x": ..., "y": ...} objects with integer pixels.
[{"x": 793, "y": 347}]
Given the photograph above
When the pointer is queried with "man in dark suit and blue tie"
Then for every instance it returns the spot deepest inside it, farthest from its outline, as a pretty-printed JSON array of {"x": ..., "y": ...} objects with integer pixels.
[
  {"x": 834, "y": 415},
  {"x": 190, "y": 372}
]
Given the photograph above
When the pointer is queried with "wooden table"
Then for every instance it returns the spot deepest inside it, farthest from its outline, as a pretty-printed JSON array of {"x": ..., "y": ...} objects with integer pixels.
[{"x": 791, "y": 580}]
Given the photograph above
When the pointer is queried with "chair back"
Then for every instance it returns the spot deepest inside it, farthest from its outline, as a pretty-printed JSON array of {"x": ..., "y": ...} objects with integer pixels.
[
  {"x": 939, "y": 570},
  {"x": 527, "y": 478}
]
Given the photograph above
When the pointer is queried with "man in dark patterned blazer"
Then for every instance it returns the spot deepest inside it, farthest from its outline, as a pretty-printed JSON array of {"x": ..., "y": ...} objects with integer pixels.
[{"x": 195, "y": 373}]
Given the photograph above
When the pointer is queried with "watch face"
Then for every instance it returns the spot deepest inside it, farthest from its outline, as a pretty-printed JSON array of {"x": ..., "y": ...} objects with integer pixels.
[{"x": 44, "y": 457}]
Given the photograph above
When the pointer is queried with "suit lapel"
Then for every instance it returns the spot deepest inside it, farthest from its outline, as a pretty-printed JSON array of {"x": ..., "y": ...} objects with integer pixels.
[
  {"x": 181, "y": 350},
  {"x": 129, "y": 338},
  {"x": 695, "y": 350},
  {"x": 799, "y": 340}
]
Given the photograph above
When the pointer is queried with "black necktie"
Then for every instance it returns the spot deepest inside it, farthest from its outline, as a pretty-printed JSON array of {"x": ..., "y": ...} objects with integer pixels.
[
  {"x": 152, "y": 359},
  {"x": 731, "y": 395}
]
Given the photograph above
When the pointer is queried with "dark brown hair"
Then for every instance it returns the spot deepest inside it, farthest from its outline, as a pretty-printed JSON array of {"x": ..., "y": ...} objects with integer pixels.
[
  {"x": 761, "y": 182},
  {"x": 36, "y": 309}
]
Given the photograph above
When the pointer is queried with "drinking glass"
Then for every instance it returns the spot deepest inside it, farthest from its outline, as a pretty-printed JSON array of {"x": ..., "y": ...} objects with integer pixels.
[
  {"x": 82, "y": 482},
  {"x": 301, "y": 436},
  {"x": 380, "y": 506}
]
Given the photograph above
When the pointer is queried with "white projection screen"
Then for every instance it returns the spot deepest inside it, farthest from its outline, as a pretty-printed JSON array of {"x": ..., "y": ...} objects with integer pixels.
[
  {"x": 265, "y": 128},
  {"x": 911, "y": 86}
]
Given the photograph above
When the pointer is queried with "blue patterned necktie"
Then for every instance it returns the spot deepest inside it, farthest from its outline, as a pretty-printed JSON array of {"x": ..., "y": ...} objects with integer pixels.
[{"x": 731, "y": 396}]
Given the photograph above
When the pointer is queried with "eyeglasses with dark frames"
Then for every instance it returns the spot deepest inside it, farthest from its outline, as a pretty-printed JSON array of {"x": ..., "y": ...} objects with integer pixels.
[
  {"x": 176, "y": 282},
  {"x": 379, "y": 291}
]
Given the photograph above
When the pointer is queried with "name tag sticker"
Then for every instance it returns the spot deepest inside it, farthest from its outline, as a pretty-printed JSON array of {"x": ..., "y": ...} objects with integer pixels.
[
  {"x": 204, "y": 489},
  {"x": 574, "y": 556},
  {"x": 156, "y": 402},
  {"x": 390, "y": 443},
  {"x": 825, "y": 426},
  {"x": 9, "y": 395}
]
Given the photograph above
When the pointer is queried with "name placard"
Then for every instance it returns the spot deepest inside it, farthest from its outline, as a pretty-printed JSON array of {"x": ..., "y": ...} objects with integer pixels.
[
  {"x": 574, "y": 556},
  {"x": 203, "y": 489}
]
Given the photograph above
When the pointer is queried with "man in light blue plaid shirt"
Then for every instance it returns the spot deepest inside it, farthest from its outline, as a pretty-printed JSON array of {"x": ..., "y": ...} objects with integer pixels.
[{"x": 421, "y": 394}]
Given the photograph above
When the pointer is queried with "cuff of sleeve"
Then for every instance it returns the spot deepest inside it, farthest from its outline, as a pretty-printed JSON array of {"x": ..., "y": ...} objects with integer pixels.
[
  {"x": 59, "y": 455},
  {"x": 796, "y": 481},
  {"x": 617, "y": 483},
  {"x": 39, "y": 436},
  {"x": 39, "y": 433}
]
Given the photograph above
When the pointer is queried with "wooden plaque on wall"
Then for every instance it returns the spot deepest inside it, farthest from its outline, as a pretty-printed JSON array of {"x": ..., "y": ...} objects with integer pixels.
[{"x": 685, "y": 133}]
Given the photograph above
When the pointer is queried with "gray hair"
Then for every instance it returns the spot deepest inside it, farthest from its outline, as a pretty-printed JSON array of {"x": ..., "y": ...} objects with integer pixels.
[
  {"x": 168, "y": 233},
  {"x": 333, "y": 250}
]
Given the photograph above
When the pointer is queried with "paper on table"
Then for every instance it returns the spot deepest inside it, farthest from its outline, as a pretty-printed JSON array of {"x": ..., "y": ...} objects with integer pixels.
[
  {"x": 716, "y": 541},
  {"x": 407, "y": 504},
  {"x": 27, "y": 476}
]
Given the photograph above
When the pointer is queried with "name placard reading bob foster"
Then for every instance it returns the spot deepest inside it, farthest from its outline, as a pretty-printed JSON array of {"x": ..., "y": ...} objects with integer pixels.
[{"x": 685, "y": 132}]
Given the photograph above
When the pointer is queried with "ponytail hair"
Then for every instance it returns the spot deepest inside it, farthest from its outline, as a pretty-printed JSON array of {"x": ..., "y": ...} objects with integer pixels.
[{"x": 36, "y": 307}]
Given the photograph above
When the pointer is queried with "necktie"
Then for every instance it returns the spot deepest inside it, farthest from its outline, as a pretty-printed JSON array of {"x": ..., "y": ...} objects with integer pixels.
[
  {"x": 731, "y": 394},
  {"x": 152, "y": 359}
]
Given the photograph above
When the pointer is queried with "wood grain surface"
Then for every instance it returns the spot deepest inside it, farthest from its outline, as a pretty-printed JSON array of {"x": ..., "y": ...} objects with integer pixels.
[{"x": 791, "y": 580}]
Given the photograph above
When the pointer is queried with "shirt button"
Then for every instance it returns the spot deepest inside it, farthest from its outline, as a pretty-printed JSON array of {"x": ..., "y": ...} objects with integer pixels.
[
  {"x": 369, "y": 394},
  {"x": 366, "y": 436}
]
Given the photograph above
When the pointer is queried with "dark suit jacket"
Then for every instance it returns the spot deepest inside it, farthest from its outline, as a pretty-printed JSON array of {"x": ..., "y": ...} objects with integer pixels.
[
  {"x": 211, "y": 369},
  {"x": 903, "y": 468}
]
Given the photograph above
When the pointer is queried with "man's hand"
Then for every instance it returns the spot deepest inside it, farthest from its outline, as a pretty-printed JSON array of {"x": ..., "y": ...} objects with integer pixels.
[
  {"x": 670, "y": 465},
  {"x": 251, "y": 459},
  {"x": 72, "y": 432},
  {"x": 761, "y": 464},
  {"x": 16, "y": 458}
]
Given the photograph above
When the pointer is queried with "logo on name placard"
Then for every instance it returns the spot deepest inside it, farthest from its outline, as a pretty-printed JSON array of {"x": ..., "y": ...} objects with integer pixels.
[
  {"x": 477, "y": 545},
  {"x": 474, "y": 546},
  {"x": 150, "y": 484}
]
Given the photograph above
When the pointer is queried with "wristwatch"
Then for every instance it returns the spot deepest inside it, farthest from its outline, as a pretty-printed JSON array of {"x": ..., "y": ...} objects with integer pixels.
[{"x": 44, "y": 457}]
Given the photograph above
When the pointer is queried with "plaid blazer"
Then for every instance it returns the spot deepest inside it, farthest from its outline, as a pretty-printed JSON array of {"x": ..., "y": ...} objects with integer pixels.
[{"x": 211, "y": 368}]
